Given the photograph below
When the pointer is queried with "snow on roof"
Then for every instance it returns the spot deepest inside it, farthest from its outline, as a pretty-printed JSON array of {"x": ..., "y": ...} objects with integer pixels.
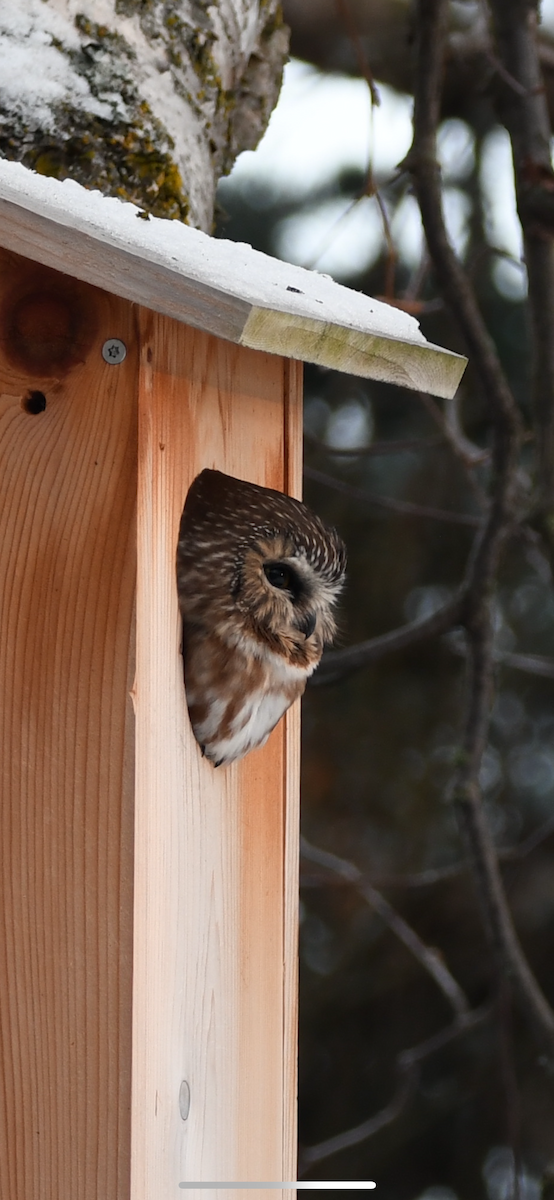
[{"x": 225, "y": 288}]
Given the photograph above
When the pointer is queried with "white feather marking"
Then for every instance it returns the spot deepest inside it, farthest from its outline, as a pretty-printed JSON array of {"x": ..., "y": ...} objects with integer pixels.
[
  {"x": 208, "y": 728},
  {"x": 263, "y": 711}
]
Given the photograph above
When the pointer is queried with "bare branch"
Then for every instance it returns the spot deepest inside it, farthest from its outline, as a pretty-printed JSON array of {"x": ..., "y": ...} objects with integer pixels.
[
  {"x": 504, "y": 74},
  {"x": 352, "y": 1137},
  {"x": 531, "y": 664},
  {"x": 378, "y": 449},
  {"x": 426, "y": 956},
  {"x": 422, "y": 164},
  {"x": 407, "y": 1064},
  {"x": 345, "y": 14},
  {"x": 445, "y": 1037},
  {"x": 512, "y": 1099},
  {"x": 524, "y": 109},
  {"x": 338, "y": 663},
  {"x": 404, "y": 507},
  {"x": 465, "y": 451},
  {"x": 434, "y": 875},
  {"x": 515, "y": 853},
  {"x": 449, "y": 423},
  {"x": 431, "y": 17}
]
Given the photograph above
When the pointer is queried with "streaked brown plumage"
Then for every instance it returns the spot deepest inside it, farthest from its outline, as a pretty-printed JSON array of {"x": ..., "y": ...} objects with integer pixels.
[{"x": 257, "y": 577}]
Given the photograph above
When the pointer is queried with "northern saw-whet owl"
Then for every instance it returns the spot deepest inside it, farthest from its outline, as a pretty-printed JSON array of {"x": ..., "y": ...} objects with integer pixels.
[{"x": 257, "y": 577}]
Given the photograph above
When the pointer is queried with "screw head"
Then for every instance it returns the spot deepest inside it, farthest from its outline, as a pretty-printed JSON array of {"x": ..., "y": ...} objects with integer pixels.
[{"x": 114, "y": 351}]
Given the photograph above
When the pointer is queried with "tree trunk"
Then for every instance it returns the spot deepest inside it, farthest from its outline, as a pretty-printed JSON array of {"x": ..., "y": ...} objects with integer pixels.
[{"x": 149, "y": 100}]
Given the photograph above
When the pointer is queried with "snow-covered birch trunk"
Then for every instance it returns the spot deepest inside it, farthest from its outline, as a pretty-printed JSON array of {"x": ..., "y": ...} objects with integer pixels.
[{"x": 150, "y": 100}]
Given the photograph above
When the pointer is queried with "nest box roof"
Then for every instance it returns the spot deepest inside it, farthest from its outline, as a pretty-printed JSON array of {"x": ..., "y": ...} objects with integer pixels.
[{"x": 225, "y": 288}]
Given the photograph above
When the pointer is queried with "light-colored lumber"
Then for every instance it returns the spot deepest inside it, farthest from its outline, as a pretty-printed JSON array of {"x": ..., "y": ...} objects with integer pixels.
[
  {"x": 67, "y": 584},
  {"x": 198, "y": 985},
  {"x": 215, "y": 850},
  {"x": 223, "y": 288}
]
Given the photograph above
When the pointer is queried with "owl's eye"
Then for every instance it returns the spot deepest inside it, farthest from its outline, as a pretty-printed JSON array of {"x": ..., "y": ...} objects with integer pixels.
[{"x": 280, "y": 576}]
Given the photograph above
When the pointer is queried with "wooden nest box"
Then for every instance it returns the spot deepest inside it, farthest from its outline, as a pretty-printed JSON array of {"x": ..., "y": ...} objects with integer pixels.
[{"x": 148, "y": 904}]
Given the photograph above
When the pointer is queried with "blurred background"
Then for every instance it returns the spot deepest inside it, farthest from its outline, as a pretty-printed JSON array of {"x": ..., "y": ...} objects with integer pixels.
[{"x": 323, "y": 190}]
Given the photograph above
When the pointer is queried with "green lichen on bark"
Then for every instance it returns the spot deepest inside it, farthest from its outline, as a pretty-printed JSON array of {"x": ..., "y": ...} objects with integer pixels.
[
  {"x": 129, "y": 156},
  {"x": 255, "y": 97},
  {"x": 119, "y": 160}
]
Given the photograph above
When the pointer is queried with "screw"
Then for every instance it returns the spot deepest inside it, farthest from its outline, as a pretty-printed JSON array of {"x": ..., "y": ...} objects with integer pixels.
[
  {"x": 184, "y": 1100},
  {"x": 114, "y": 351}
]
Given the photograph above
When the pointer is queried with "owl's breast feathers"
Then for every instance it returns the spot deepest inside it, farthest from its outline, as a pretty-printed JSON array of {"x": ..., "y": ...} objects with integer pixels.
[{"x": 236, "y": 698}]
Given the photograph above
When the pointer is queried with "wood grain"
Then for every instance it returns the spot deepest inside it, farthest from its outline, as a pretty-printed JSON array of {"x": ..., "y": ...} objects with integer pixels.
[
  {"x": 213, "y": 992},
  {"x": 368, "y": 353},
  {"x": 67, "y": 581},
  {"x": 215, "y": 902}
]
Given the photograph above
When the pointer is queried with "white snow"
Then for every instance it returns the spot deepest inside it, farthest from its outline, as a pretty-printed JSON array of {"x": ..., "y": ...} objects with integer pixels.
[
  {"x": 34, "y": 74},
  {"x": 231, "y": 268}
]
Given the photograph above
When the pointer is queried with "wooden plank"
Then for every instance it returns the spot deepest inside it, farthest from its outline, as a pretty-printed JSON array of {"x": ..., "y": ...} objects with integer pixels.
[
  {"x": 294, "y": 434},
  {"x": 215, "y": 900},
  {"x": 410, "y": 364},
  {"x": 67, "y": 581},
  {"x": 223, "y": 288},
  {"x": 124, "y": 274}
]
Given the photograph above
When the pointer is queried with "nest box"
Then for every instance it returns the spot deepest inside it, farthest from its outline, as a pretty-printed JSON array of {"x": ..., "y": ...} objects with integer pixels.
[{"x": 148, "y": 904}]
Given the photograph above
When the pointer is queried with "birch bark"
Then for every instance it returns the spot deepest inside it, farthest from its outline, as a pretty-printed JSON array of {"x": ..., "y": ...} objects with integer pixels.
[{"x": 150, "y": 100}]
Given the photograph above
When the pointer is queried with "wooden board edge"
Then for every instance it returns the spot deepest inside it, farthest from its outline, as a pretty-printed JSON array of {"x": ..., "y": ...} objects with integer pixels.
[
  {"x": 293, "y": 382},
  {"x": 420, "y": 366},
  {"x": 120, "y": 271}
]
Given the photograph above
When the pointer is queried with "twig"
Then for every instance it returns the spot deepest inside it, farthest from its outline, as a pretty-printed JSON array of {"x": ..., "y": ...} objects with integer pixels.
[
  {"x": 422, "y": 163},
  {"x": 328, "y": 237},
  {"x": 431, "y": 18},
  {"x": 345, "y": 14},
  {"x": 404, "y": 507},
  {"x": 336, "y": 664},
  {"x": 309, "y": 1155},
  {"x": 426, "y": 956},
  {"x": 407, "y": 1064},
  {"x": 392, "y": 254},
  {"x": 515, "y": 853},
  {"x": 370, "y": 188},
  {"x": 524, "y": 109},
  {"x": 449, "y": 423},
  {"x": 531, "y": 664},
  {"x": 465, "y": 451},
  {"x": 444, "y": 1037},
  {"x": 418, "y": 277},
  {"x": 434, "y": 875},
  {"x": 505, "y": 75},
  {"x": 509, "y": 1081},
  {"x": 378, "y": 449}
]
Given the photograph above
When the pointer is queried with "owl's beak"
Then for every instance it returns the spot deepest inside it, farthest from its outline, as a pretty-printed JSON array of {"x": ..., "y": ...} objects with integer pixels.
[{"x": 307, "y": 625}]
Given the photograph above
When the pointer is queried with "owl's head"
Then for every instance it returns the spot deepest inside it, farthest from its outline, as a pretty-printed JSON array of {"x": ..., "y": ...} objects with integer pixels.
[{"x": 264, "y": 566}]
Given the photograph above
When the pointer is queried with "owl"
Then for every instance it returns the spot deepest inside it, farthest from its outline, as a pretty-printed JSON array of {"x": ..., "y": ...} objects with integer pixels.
[{"x": 257, "y": 577}]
